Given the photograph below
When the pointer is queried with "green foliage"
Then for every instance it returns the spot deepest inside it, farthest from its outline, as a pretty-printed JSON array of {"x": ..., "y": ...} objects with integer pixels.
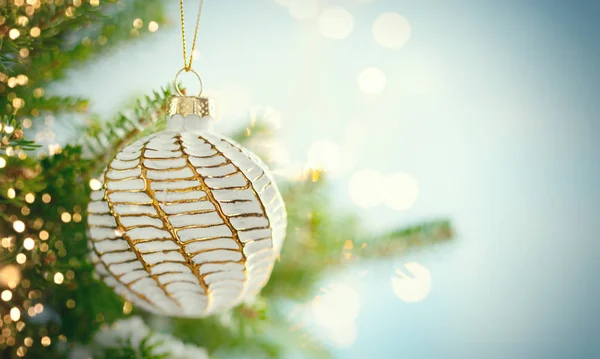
[
  {"x": 68, "y": 36},
  {"x": 11, "y": 136},
  {"x": 259, "y": 330},
  {"x": 104, "y": 139},
  {"x": 64, "y": 251},
  {"x": 127, "y": 350}
]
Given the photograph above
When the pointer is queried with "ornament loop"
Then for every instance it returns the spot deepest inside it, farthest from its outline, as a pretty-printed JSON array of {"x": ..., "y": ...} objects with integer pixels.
[{"x": 177, "y": 82}]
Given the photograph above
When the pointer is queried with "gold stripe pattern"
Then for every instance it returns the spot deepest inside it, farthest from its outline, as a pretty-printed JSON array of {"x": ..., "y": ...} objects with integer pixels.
[
  {"x": 218, "y": 208},
  {"x": 167, "y": 225},
  {"x": 177, "y": 203},
  {"x": 123, "y": 229},
  {"x": 96, "y": 261}
]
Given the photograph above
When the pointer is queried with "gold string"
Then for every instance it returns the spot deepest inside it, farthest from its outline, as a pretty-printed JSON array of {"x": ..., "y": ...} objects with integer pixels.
[{"x": 188, "y": 65}]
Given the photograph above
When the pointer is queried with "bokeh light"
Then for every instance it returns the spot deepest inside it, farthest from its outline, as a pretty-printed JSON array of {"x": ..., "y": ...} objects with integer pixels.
[
  {"x": 153, "y": 26},
  {"x": 391, "y": 30},
  {"x": 365, "y": 188},
  {"x": 138, "y": 23},
  {"x": 30, "y": 198},
  {"x": 35, "y": 31},
  {"x": 46, "y": 341},
  {"x": 44, "y": 235},
  {"x": 301, "y": 9},
  {"x": 400, "y": 191},
  {"x": 412, "y": 288},
  {"x": 6, "y": 295},
  {"x": 336, "y": 311},
  {"x": 336, "y": 23},
  {"x": 371, "y": 80},
  {"x": 18, "y": 226},
  {"x": 58, "y": 278},
  {"x": 28, "y": 244},
  {"x": 65, "y": 217},
  {"x": 14, "y": 33},
  {"x": 325, "y": 155},
  {"x": 10, "y": 275},
  {"x": 15, "y": 314},
  {"x": 21, "y": 258},
  {"x": 95, "y": 184}
]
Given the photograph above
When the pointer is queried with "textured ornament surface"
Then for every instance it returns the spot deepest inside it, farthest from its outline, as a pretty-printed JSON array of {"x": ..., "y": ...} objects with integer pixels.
[{"x": 186, "y": 224}]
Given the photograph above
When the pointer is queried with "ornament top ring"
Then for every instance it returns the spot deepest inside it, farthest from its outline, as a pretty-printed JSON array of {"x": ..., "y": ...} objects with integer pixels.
[{"x": 177, "y": 82}]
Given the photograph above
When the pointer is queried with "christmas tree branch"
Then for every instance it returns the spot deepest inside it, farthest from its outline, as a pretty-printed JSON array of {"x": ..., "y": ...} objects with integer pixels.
[
  {"x": 104, "y": 140},
  {"x": 61, "y": 37},
  {"x": 11, "y": 136}
]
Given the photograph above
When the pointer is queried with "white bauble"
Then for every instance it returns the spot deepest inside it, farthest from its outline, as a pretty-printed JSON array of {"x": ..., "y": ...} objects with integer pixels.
[{"x": 187, "y": 222}]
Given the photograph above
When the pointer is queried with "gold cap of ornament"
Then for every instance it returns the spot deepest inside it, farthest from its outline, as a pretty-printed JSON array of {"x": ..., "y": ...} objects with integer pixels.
[{"x": 191, "y": 105}]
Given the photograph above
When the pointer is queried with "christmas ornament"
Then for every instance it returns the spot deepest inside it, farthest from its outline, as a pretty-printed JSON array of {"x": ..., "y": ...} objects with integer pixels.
[{"x": 187, "y": 222}]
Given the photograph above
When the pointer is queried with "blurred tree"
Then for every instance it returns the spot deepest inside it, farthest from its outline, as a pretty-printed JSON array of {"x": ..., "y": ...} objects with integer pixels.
[{"x": 51, "y": 305}]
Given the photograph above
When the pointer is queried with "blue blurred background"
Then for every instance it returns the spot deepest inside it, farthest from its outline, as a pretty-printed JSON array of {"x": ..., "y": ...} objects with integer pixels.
[{"x": 482, "y": 111}]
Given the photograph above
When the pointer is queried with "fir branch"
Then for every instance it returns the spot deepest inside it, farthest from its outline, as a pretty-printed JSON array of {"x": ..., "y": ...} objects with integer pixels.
[
  {"x": 68, "y": 36},
  {"x": 256, "y": 129},
  {"x": 127, "y": 350},
  {"x": 250, "y": 330},
  {"x": 11, "y": 136},
  {"x": 104, "y": 140},
  {"x": 402, "y": 240},
  {"x": 324, "y": 238},
  {"x": 3, "y": 57},
  {"x": 57, "y": 104}
]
